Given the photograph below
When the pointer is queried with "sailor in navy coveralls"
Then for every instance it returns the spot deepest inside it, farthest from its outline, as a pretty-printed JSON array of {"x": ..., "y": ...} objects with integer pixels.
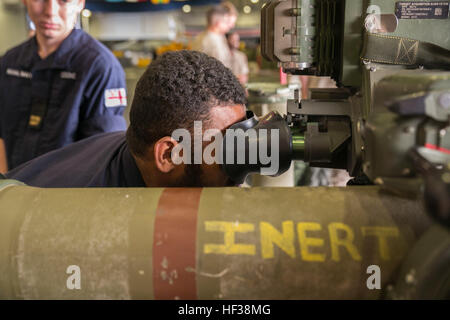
[{"x": 49, "y": 101}]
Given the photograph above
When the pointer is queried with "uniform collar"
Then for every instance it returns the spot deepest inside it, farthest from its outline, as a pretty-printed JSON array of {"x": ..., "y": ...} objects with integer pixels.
[
  {"x": 132, "y": 175},
  {"x": 28, "y": 54},
  {"x": 66, "y": 49},
  {"x": 57, "y": 60}
]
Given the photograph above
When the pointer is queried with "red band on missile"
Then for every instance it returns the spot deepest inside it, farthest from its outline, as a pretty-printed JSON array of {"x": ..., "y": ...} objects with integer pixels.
[
  {"x": 174, "y": 244},
  {"x": 433, "y": 147}
]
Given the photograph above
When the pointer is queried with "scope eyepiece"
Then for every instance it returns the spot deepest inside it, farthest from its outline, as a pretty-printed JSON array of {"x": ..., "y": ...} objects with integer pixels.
[{"x": 261, "y": 146}]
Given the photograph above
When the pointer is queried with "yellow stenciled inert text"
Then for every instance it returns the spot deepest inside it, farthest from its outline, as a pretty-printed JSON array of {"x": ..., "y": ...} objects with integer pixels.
[
  {"x": 382, "y": 234},
  {"x": 270, "y": 236},
  {"x": 307, "y": 242},
  {"x": 311, "y": 241},
  {"x": 345, "y": 241},
  {"x": 229, "y": 230}
]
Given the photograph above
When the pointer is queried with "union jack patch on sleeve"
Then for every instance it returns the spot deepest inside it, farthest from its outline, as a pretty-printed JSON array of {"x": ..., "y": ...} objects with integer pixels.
[{"x": 115, "y": 97}]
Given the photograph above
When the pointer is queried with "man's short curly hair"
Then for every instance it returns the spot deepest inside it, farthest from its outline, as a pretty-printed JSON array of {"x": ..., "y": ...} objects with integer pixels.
[{"x": 177, "y": 89}]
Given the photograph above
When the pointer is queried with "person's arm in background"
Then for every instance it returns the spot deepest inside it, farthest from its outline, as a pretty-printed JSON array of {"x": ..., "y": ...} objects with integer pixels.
[
  {"x": 244, "y": 71},
  {"x": 222, "y": 54},
  {"x": 105, "y": 100},
  {"x": 243, "y": 79},
  {"x": 3, "y": 161}
]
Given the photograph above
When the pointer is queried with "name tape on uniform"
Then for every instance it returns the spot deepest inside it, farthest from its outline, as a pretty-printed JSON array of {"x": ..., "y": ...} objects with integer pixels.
[
  {"x": 115, "y": 97},
  {"x": 68, "y": 75},
  {"x": 19, "y": 73}
]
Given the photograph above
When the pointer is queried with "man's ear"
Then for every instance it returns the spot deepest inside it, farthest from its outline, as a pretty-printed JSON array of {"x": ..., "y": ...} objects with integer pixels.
[{"x": 162, "y": 152}]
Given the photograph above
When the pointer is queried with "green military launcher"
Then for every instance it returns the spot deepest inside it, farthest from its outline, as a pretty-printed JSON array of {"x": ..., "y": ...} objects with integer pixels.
[{"x": 225, "y": 243}]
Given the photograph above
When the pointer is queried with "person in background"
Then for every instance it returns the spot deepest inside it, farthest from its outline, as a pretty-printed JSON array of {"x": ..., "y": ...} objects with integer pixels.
[
  {"x": 232, "y": 15},
  {"x": 239, "y": 61},
  {"x": 212, "y": 41},
  {"x": 58, "y": 87}
]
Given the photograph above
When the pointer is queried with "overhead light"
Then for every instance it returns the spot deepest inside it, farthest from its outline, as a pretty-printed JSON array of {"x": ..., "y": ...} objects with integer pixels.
[
  {"x": 254, "y": 1},
  {"x": 247, "y": 9},
  {"x": 86, "y": 13},
  {"x": 186, "y": 8}
]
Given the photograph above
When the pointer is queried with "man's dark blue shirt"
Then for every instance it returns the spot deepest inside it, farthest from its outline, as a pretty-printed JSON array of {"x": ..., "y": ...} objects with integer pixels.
[
  {"x": 100, "y": 161},
  {"x": 76, "y": 92}
]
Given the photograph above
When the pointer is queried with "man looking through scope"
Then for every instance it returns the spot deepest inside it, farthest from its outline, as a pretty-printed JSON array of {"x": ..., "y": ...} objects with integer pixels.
[{"x": 177, "y": 89}]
